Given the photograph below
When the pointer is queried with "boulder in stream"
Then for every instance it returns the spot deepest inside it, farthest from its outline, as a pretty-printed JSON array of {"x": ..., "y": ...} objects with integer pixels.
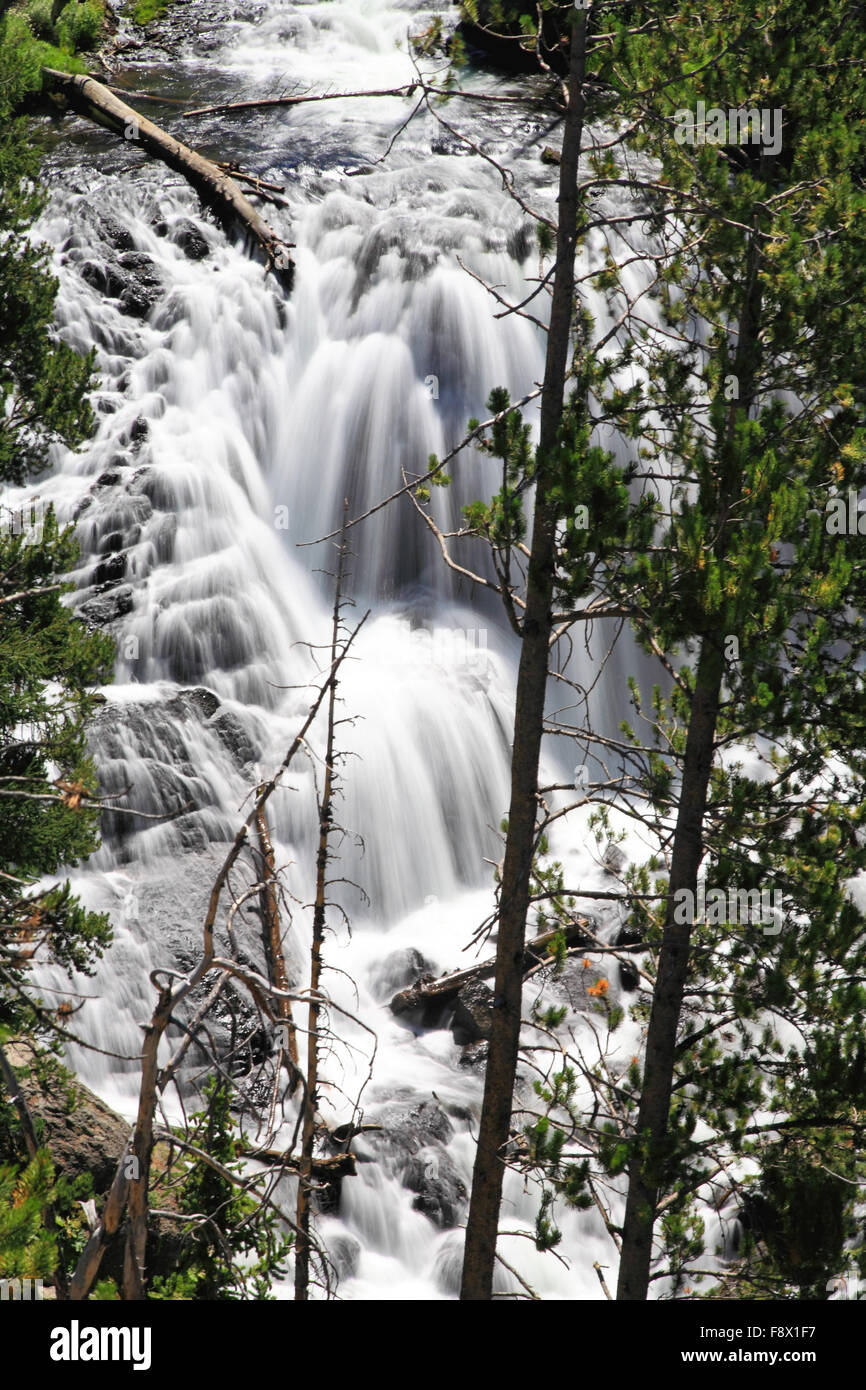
[{"x": 473, "y": 1013}]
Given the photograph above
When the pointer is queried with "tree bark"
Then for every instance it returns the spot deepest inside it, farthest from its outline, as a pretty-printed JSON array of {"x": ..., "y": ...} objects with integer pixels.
[
  {"x": 272, "y": 941},
  {"x": 213, "y": 186},
  {"x": 18, "y": 1099},
  {"x": 650, "y": 1157},
  {"x": 91, "y": 1257},
  {"x": 141, "y": 1149},
  {"x": 646, "y": 1169},
  {"x": 495, "y": 1122},
  {"x": 308, "y": 1131}
]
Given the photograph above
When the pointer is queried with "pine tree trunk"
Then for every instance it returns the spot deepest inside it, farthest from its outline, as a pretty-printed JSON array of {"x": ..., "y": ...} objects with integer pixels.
[
  {"x": 652, "y": 1123},
  {"x": 495, "y": 1122},
  {"x": 646, "y": 1169}
]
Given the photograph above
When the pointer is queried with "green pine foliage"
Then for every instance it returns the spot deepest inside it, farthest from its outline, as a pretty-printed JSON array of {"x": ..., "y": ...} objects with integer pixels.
[
  {"x": 49, "y": 663},
  {"x": 27, "y": 1249},
  {"x": 750, "y": 586},
  {"x": 43, "y": 383},
  {"x": 232, "y": 1249},
  {"x": 733, "y": 579}
]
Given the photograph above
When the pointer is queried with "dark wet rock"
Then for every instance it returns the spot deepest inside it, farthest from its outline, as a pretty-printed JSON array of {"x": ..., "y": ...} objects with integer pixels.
[
  {"x": 412, "y": 1143},
  {"x": 234, "y": 1024},
  {"x": 582, "y": 987},
  {"x": 138, "y": 300},
  {"x": 111, "y": 570},
  {"x": 473, "y": 1013},
  {"x": 142, "y": 266},
  {"x": 169, "y": 790},
  {"x": 141, "y": 726},
  {"x": 109, "y": 478},
  {"x": 149, "y": 743},
  {"x": 629, "y": 978},
  {"x": 441, "y": 1193},
  {"x": 411, "y": 1125},
  {"x": 192, "y": 242},
  {"x": 187, "y": 236},
  {"x": 111, "y": 543},
  {"x": 420, "y": 1011},
  {"x": 106, "y": 608},
  {"x": 205, "y": 706},
  {"x": 163, "y": 537},
  {"x": 160, "y": 723},
  {"x": 156, "y": 487},
  {"x": 520, "y": 243},
  {"x": 192, "y": 835},
  {"x": 448, "y": 144},
  {"x": 119, "y": 237},
  {"x": 397, "y": 971},
  {"x": 232, "y": 734},
  {"x": 614, "y": 858},
  {"x": 474, "y": 1056},
  {"x": 345, "y": 1252},
  {"x": 139, "y": 431},
  {"x": 200, "y": 702},
  {"x": 105, "y": 278},
  {"x": 133, "y": 279}
]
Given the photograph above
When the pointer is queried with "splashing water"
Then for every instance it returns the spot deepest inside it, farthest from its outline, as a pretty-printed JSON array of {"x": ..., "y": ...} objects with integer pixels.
[{"x": 232, "y": 428}]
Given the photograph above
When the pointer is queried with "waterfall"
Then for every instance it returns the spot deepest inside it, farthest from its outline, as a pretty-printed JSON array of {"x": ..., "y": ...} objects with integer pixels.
[{"x": 232, "y": 426}]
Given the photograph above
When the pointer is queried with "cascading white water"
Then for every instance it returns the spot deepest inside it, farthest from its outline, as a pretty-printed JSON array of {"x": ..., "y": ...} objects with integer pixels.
[{"x": 232, "y": 427}]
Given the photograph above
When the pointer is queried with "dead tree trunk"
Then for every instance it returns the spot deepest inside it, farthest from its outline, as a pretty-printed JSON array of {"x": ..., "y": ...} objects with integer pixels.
[
  {"x": 134, "y": 1165},
  {"x": 274, "y": 946},
  {"x": 19, "y": 1100},
  {"x": 89, "y": 98},
  {"x": 308, "y": 1132},
  {"x": 134, "y": 1268}
]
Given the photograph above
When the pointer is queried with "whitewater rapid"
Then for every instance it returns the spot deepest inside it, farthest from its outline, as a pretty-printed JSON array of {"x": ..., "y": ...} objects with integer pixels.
[{"x": 232, "y": 426}]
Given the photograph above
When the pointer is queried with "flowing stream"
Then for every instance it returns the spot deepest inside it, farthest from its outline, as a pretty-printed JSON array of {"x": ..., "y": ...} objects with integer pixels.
[{"x": 232, "y": 425}]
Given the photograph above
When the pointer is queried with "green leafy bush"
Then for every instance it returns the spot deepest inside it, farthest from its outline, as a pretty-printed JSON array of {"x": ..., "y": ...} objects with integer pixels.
[
  {"x": 39, "y": 18},
  {"x": 79, "y": 25}
]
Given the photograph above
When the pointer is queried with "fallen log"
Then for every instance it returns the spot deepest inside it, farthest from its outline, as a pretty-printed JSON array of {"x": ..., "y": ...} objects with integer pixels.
[
  {"x": 143, "y": 96},
  {"x": 215, "y": 188},
  {"x": 447, "y": 987},
  {"x": 302, "y": 100},
  {"x": 326, "y": 1168},
  {"x": 407, "y": 90}
]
